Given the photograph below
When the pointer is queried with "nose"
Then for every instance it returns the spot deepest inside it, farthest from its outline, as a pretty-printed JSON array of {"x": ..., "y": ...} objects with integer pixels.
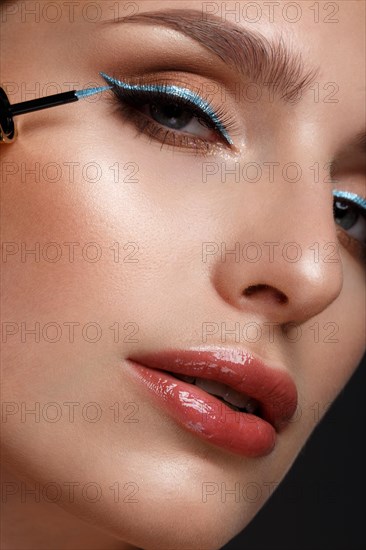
[{"x": 280, "y": 260}]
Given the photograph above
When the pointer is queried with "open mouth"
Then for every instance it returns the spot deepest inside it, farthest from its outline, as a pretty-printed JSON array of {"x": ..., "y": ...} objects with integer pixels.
[
  {"x": 227, "y": 397},
  {"x": 237, "y": 401}
]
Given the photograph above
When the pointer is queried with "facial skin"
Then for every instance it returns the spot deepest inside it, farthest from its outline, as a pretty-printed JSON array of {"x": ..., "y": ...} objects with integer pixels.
[{"x": 170, "y": 292}]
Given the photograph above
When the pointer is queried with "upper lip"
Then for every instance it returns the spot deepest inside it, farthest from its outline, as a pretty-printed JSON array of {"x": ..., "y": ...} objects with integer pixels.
[{"x": 271, "y": 386}]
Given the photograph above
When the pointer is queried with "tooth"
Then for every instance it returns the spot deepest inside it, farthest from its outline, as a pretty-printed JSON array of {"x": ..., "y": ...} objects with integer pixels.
[{"x": 228, "y": 394}]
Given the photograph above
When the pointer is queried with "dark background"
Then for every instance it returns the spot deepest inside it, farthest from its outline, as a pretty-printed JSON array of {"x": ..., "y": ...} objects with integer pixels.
[{"x": 321, "y": 503}]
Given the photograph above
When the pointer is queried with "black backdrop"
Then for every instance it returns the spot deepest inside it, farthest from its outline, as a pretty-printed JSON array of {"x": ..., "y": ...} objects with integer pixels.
[{"x": 321, "y": 503}]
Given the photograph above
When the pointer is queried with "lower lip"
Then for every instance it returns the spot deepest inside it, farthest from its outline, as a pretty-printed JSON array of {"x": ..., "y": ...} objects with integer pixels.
[{"x": 207, "y": 417}]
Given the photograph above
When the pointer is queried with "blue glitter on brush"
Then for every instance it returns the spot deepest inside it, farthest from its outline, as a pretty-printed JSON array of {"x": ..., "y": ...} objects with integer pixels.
[
  {"x": 91, "y": 91},
  {"x": 360, "y": 201},
  {"x": 172, "y": 92}
]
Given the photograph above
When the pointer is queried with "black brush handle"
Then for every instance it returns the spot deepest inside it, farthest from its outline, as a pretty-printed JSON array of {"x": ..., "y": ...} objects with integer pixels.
[{"x": 43, "y": 103}]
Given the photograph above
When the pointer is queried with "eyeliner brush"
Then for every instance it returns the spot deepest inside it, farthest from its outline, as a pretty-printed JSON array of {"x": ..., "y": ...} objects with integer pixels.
[{"x": 8, "y": 111}]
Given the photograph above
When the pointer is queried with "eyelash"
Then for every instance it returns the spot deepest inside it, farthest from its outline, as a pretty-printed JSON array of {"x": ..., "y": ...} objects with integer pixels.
[
  {"x": 133, "y": 95},
  {"x": 355, "y": 246}
]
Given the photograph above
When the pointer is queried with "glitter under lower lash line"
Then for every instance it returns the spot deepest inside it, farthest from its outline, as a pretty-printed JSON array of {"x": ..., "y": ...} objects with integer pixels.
[{"x": 174, "y": 92}]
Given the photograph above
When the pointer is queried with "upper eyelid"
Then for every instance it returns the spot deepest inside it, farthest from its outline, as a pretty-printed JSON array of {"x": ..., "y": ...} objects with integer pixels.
[
  {"x": 177, "y": 92},
  {"x": 353, "y": 197}
]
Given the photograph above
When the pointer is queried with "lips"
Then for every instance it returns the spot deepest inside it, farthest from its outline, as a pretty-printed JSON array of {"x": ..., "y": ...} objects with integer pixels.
[{"x": 225, "y": 396}]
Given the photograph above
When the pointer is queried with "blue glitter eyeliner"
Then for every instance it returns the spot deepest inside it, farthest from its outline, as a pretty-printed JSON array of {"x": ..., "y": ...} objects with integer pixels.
[
  {"x": 172, "y": 92},
  {"x": 91, "y": 91},
  {"x": 359, "y": 201}
]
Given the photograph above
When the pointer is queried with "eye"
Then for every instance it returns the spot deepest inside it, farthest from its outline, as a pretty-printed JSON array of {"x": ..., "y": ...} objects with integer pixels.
[
  {"x": 177, "y": 117},
  {"x": 172, "y": 114},
  {"x": 350, "y": 214}
]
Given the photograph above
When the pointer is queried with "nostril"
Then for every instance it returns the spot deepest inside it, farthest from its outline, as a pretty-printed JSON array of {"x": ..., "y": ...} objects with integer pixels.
[{"x": 279, "y": 296}]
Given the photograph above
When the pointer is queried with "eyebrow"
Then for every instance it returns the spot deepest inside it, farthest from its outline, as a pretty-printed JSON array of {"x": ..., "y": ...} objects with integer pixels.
[
  {"x": 353, "y": 153},
  {"x": 263, "y": 61}
]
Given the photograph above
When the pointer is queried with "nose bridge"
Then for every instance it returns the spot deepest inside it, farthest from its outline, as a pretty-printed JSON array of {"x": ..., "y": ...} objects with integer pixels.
[{"x": 280, "y": 256}]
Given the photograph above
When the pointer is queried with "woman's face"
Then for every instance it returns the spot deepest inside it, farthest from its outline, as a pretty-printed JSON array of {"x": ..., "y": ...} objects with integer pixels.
[{"x": 144, "y": 229}]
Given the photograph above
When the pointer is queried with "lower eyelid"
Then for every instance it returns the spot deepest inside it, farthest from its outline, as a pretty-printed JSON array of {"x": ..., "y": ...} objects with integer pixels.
[{"x": 165, "y": 136}]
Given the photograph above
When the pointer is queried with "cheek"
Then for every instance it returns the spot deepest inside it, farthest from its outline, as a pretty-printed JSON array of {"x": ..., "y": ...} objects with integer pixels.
[
  {"x": 331, "y": 347},
  {"x": 65, "y": 229},
  {"x": 68, "y": 262}
]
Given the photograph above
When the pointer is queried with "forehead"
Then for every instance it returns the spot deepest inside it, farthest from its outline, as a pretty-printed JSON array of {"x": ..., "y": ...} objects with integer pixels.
[{"x": 331, "y": 30}]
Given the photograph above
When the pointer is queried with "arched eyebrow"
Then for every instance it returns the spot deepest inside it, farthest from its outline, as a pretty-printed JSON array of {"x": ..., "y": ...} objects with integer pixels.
[{"x": 261, "y": 60}]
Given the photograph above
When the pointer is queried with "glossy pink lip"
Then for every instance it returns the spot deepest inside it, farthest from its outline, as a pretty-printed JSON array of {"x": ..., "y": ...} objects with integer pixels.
[{"x": 208, "y": 417}]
